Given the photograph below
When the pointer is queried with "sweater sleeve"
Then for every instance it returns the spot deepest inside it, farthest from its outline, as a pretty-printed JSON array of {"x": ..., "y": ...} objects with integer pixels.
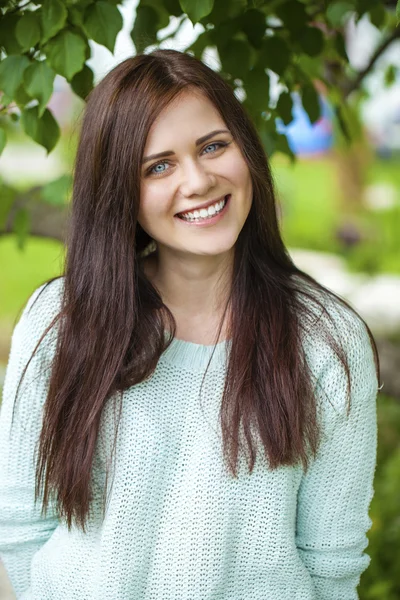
[
  {"x": 336, "y": 491},
  {"x": 23, "y": 530}
]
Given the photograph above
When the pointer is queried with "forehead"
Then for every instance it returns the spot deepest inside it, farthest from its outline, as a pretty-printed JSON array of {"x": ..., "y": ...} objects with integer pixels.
[{"x": 187, "y": 117}]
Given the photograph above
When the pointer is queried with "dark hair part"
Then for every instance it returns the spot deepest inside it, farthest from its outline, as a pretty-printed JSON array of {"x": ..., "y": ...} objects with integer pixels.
[{"x": 112, "y": 320}]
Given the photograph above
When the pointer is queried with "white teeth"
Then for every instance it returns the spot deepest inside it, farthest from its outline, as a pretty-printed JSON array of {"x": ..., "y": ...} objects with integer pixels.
[
  {"x": 203, "y": 213},
  {"x": 211, "y": 211}
]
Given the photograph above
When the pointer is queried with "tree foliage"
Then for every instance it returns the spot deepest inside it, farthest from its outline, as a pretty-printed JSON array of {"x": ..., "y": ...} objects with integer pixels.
[{"x": 300, "y": 41}]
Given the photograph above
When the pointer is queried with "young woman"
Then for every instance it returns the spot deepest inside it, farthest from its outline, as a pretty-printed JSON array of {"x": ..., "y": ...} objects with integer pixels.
[{"x": 198, "y": 417}]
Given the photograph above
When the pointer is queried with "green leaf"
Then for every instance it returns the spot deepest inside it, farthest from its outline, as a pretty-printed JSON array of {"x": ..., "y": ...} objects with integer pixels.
[
  {"x": 75, "y": 15},
  {"x": 66, "y": 53},
  {"x": 340, "y": 46},
  {"x": 223, "y": 34},
  {"x": 54, "y": 16},
  {"x": 284, "y": 107},
  {"x": 58, "y": 191},
  {"x": 254, "y": 25},
  {"x": 224, "y": 11},
  {"x": 82, "y": 82},
  {"x": 21, "y": 227},
  {"x": 173, "y": 7},
  {"x": 27, "y": 30},
  {"x": 81, "y": 3},
  {"x": 256, "y": 85},
  {"x": 39, "y": 80},
  {"x": 144, "y": 32},
  {"x": 196, "y": 9},
  {"x": 377, "y": 16},
  {"x": 102, "y": 23},
  {"x": 275, "y": 54},
  {"x": 163, "y": 16},
  {"x": 293, "y": 14},
  {"x": 21, "y": 97},
  {"x": 311, "y": 41},
  {"x": 364, "y": 6},
  {"x": 398, "y": 12},
  {"x": 3, "y": 139},
  {"x": 6, "y": 100},
  {"x": 336, "y": 12},
  {"x": 310, "y": 102},
  {"x": 390, "y": 75},
  {"x": 282, "y": 145},
  {"x": 8, "y": 40},
  {"x": 44, "y": 130},
  {"x": 267, "y": 135},
  {"x": 12, "y": 70},
  {"x": 342, "y": 123},
  {"x": 30, "y": 121},
  {"x": 235, "y": 58},
  {"x": 313, "y": 67}
]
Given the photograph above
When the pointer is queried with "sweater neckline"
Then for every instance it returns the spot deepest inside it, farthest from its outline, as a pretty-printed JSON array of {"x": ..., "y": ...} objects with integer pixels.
[{"x": 195, "y": 357}]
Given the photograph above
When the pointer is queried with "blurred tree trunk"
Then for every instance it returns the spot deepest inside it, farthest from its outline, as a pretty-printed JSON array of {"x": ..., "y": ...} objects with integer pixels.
[
  {"x": 352, "y": 160},
  {"x": 352, "y": 168}
]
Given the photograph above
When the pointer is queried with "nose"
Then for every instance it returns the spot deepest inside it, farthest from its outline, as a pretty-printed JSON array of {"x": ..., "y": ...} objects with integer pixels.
[{"x": 196, "y": 180}]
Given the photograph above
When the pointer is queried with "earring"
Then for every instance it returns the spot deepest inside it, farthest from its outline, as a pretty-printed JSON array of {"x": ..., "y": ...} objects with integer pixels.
[{"x": 151, "y": 247}]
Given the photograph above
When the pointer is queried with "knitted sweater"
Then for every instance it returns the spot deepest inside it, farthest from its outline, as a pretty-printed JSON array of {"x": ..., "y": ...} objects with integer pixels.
[{"x": 177, "y": 525}]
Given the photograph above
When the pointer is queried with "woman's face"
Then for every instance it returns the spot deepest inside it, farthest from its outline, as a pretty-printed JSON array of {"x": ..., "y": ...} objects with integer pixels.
[{"x": 195, "y": 200}]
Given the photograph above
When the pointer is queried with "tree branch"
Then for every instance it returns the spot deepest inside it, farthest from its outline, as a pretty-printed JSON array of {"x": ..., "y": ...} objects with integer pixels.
[
  {"x": 354, "y": 84},
  {"x": 18, "y": 8},
  {"x": 46, "y": 220}
]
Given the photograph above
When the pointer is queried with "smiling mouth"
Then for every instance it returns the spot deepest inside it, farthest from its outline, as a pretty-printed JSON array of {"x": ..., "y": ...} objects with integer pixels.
[{"x": 203, "y": 214}]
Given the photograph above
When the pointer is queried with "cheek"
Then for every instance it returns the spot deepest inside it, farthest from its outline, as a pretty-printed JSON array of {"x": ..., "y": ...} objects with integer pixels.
[
  {"x": 153, "y": 203},
  {"x": 239, "y": 172}
]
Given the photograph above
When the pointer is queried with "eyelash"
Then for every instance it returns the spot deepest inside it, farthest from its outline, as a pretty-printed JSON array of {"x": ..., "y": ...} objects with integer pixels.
[{"x": 164, "y": 162}]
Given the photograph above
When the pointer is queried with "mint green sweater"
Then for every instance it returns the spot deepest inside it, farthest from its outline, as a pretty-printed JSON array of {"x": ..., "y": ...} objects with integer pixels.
[{"x": 177, "y": 526}]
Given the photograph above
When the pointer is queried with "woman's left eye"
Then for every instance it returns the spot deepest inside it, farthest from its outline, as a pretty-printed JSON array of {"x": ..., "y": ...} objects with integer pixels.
[
  {"x": 152, "y": 170},
  {"x": 214, "y": 144}
]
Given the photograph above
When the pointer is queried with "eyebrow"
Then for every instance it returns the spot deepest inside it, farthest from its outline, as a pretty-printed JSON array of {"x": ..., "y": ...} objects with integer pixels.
[{"x": 202, "y": 139}]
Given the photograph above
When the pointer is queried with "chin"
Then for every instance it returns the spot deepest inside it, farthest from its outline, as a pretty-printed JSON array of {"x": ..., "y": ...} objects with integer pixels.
[{"x": 214, "y": 249}]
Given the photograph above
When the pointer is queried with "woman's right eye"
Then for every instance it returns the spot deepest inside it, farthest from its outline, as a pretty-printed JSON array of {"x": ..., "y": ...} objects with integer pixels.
[{"x": 151, "y": 170}]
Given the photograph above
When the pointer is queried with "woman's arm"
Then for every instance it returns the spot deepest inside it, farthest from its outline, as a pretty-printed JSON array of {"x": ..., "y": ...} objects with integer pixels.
[
  {"x": 23, "y": 530},
  {"x": 335, "y": 493}
]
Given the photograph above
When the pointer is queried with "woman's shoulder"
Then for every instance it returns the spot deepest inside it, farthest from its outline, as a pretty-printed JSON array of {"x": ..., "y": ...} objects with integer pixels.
[
  {"x": 325, "y": 313},
  {"x": 43, "y": 305},
  {"x": 46, "y": 298},
  {"x": 334, "y": 337},
  {"x": 32, "y": 350},
  {"x": 48, "y": 295}
]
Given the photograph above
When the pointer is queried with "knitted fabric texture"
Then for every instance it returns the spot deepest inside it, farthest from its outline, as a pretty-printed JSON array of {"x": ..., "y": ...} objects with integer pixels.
[{"x": 177, "y": 525}]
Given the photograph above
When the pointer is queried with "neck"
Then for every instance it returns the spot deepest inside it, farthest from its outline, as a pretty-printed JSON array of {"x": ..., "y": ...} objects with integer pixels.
[{"x": 195, "y": 289}]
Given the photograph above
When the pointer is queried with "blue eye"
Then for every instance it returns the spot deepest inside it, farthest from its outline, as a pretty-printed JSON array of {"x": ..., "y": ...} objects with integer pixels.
[
  {"x": 214, "y": 144},
  {"x": 158, "y": 165},
  {"x": 152, "y": 170}
]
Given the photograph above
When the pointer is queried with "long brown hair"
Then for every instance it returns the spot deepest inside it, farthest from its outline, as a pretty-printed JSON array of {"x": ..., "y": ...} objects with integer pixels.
[{"x": 112, "y": 321}]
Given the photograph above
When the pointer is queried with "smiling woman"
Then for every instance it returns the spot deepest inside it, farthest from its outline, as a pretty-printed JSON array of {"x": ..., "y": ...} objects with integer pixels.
[
  {"x": 203, "y": 411},
  {"x": 197, "y": 204}
]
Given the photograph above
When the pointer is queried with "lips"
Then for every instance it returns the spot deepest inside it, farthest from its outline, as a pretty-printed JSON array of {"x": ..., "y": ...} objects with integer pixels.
[{"x": 200, "y": 206}]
